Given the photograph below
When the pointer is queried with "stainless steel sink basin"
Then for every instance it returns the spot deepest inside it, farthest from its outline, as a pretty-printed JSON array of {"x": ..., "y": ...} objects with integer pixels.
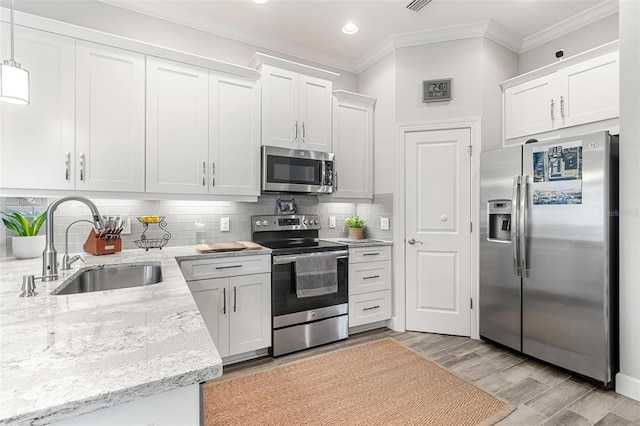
[
  {"x": 110, "y": 277},
  {"x": 364, "y": 240}
]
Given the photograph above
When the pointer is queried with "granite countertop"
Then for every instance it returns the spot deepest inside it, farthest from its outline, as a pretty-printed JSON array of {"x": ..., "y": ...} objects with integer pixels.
[
  {"x": 366, "y": 242},
  {"x": 63, "y": 356}
]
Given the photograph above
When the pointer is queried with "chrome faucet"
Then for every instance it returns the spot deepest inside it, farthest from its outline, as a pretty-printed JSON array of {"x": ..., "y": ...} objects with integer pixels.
[
  {"x": 66, "y": 260},
  {"x": 50, "y": 255}
]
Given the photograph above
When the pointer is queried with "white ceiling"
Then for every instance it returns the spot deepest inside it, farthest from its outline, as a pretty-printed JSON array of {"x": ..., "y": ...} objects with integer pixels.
[{"x": 312, "y": 27}]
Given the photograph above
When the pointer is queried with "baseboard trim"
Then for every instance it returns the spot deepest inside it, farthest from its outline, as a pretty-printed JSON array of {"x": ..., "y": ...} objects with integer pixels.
[{"x": 628, "y": 386}]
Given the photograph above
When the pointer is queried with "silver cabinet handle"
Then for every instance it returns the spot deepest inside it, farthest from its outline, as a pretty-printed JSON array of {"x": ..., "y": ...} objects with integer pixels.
[
  {"x": 228, "y": 267},
  {"x": 412, "y": 241},
  {"x": 224, "y": 300},
  {"x": 234, "y": 299},
  {"x": 378, "y": 254},
  {"x": 296, "y": 127},
  {"x": 303, "y": 132},
  {"x": 213, "y": 174},
  {"x": 204, "y": 173},
  {"x": 373, "y": 307},
  {"x": 82, "y": 167},
  {"x": 562, "y": 108},
  {"x": 552, "y": 114},
  {"x": 335, "y": 179},
  {"x": 371, "y": 277},
  {"x": 67, "y": 166},
  {"x": 515, "y": 225}
]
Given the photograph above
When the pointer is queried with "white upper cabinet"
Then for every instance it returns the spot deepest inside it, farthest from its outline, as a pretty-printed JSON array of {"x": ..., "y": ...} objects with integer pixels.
[
  {"x": 296, "y": 104},
  {"x": 353, "y": 145},
  {"x": 590, "y": 91},
  {"x": 234, "y": 135},
  {"x": 37, "y": 140},
  {"x": 177, "y": 127},
  {"x": 579, "y": 90},
  {"x": 530, "y": 107},
  {"x": 110, "y": 120}
]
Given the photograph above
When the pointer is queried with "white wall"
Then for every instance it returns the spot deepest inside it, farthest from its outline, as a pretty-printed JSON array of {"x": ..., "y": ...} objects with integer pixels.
[
  {"x": 379, "y": 81},
  {"x": 593, "y": 35},
  {"x": 125, "y": 23},
  {"x": 498, "y": 64},
  {"x": 628, "y": 381}
]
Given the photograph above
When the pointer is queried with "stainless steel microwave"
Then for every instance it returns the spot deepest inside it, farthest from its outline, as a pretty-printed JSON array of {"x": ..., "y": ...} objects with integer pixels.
[{"x": 296, "y": 170}]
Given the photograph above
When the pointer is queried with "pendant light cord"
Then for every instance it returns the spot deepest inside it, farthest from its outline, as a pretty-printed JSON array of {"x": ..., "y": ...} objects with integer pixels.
[{"x": 12, "y": 42}]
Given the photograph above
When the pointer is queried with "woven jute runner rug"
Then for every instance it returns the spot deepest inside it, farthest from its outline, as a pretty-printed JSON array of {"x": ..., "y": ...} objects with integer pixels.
[{"x": 378, "y": 383}]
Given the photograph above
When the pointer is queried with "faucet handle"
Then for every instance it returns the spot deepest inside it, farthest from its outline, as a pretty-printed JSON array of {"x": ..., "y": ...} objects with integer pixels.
[{"x": 28, "y": 286}]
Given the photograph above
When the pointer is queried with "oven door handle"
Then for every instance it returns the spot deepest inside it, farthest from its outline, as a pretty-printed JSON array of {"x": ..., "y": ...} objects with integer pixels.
[{"x": 282, "y": 260}]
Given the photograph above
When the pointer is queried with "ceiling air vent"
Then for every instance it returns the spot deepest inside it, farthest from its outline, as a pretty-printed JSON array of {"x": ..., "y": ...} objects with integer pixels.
[{"x": 417, "y": 5}]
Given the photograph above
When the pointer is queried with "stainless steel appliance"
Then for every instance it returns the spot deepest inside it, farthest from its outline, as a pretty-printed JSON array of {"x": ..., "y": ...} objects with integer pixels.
[
  {"x": 301, "y": 321},
  {"x": 296, "y": 170},
  {"x": 548, "y": 252}
]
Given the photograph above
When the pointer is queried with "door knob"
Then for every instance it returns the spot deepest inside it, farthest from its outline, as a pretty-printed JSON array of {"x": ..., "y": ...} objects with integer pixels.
[{"x": 413, "y": 241}]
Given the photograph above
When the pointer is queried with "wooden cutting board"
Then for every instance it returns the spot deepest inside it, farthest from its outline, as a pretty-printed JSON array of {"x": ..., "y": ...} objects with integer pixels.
[{"x": 220, "y": 247}]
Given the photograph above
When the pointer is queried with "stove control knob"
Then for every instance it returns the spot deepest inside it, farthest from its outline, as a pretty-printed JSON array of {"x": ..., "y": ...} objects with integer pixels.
[
  {"x": 265, "y": 223},
  {"x": 315, "y": 221},
  {"x": 305, "y": 222},
  {"x": 258, "y": 223}
]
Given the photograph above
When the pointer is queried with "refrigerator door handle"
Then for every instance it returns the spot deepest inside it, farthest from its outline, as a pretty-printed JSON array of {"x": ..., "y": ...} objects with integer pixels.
[
  {"x": 524, "y": 210},
  {"x": 515, "y": 225}
]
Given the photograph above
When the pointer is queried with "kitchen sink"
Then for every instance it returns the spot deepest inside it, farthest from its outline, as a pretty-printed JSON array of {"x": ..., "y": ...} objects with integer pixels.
[
  {"x": 364, "y": 240},
  {"x": 110, "y": 277}
]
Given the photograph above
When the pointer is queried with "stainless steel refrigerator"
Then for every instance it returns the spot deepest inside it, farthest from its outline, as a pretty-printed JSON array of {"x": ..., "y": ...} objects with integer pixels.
[{"x": 548, "y": 252}]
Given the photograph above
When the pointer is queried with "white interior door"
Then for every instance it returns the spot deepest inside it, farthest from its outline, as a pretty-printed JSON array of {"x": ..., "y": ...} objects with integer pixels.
[{"x": 438, "y": 231}]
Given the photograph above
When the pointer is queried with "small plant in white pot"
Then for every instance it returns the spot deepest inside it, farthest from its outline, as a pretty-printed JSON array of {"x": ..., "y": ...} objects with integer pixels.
[
  {"x": 27, "y": 243},
  {"x": 356, "y": 227}
]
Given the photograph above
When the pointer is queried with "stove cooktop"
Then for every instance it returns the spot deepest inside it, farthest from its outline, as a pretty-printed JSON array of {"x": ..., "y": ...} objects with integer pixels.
[{"x": 280, "y": 247}]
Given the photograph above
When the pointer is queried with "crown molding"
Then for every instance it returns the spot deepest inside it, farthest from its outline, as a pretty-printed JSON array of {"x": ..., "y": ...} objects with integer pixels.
[
  {"x": 488, "y": 29},
  {"x": 347, "y": 96},
  {"x": 260, "y": 59},
  {"x": 573, "y": 23},
  {"x": 176, "y": 14}
]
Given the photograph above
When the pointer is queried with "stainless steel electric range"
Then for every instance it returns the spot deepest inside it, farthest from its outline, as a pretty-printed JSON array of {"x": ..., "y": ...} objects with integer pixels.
[{"x": 309, "y": 283}]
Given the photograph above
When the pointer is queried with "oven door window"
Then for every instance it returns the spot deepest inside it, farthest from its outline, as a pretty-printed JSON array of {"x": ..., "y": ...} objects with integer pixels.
[
  {"x": 293, "y": 170},
  {"x": 283, "y": 291}
]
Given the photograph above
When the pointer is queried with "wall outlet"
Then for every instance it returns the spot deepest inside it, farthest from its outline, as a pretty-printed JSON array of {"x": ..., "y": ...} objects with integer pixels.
[
  {"x": 224, "y": 224},
  {"x": 332, "y": 222},
  {"x": 384, "y": 223},
  {"x": 126, "y": 226}
]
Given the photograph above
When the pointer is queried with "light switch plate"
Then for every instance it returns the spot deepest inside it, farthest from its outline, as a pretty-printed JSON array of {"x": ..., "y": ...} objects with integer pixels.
[
  {"x": 224, "y": 224},
  {"x": 384, "y": 223},
  {"x": 332, "y": 222},
  {"x": 126, "y": 226}
]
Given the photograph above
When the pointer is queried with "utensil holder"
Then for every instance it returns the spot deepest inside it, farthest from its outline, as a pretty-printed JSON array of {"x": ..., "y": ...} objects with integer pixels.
[{"x": 98, "y": 246}]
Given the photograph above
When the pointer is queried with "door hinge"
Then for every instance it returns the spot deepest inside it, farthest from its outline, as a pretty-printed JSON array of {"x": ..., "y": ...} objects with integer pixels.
[
  {"x": 470, "y": 149},
  {"x": 471, "y": 227},
  {"x": 471, "y": 303}
]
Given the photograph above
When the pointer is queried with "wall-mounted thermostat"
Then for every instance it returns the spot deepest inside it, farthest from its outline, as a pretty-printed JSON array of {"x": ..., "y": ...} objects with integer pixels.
[{"x": 436, "y": 90}]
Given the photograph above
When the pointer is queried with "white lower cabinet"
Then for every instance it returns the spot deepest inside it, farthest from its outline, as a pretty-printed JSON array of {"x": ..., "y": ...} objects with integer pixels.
[
  {"x": 235, "y": 308},
  {"x": 369, "y": 285}
]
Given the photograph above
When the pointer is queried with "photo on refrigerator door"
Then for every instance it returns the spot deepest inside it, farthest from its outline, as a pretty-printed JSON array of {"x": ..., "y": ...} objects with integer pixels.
[{"x": 557, "y": 174}]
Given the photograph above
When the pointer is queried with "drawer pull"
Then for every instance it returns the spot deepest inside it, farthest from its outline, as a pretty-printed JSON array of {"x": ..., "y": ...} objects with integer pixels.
[
  {"x": 369, "y": 309},
  {"x": 224, "y": 300},
  {"x": 229, "y": 267},
  {"x": 371, "y": 254},
  {"x": 369, "y": 278}
]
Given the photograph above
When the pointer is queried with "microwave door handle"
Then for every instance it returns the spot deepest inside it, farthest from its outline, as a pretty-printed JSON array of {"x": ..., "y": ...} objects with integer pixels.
[{"x": 323, "y": 173}]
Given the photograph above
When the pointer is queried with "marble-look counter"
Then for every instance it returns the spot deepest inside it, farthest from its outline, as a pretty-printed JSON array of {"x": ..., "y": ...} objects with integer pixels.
[
  {"x": 63, "y": 356},
  {"x": 359, "y": 243}
]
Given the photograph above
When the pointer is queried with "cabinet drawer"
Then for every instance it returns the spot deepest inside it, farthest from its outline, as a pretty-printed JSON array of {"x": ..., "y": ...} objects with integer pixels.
[
  {"x": 369, "y": 307},
  {"x": 369, "y": 254},
  {"x": 369, "y": 276},
  {"x": 225, "y": 267}
]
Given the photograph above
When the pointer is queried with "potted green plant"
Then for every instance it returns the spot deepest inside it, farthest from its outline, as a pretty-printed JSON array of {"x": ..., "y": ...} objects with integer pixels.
[
  {"x": 27, "y": 243},
  {"x": 356, "y": 227}
]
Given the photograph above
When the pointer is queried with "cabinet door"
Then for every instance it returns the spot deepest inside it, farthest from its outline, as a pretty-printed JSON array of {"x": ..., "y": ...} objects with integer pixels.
[
  {"x": 250, "y": 316},
  {"x": 315, "y": 114},
  {"x": 212, "y": 298},
  {"x": 234, "y": 135},
  {"x": 531, "y": 107},
  {"x": 109, "y": 118},
  {"x": 590, "y": 90},
  {"x": 177, "y": 127},
  {"x": 280, "y": 96},
  {"x": 37, "y": 140},
  {"x": 353, "y": 146}
]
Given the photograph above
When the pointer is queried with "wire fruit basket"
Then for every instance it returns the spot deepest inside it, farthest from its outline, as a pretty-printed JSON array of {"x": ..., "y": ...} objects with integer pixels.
[{"x": 148, "y": 243}]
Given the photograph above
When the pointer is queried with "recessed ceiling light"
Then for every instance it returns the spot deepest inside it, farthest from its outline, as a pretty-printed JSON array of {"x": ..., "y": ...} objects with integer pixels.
[
  {"x": 350, "y": 28},
  {"x": 260, "y": 1}
]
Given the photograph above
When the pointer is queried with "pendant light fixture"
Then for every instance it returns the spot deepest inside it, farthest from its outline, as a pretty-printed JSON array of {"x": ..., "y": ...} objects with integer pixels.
[{"x": 14, "y": 80}]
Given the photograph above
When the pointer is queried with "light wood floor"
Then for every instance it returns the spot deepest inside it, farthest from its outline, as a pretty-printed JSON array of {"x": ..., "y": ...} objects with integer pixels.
[{"x": 543, "y": 394}]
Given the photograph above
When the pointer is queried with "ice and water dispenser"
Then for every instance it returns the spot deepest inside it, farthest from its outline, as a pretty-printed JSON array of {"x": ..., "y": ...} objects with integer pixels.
[{"x": 499, "y": 220}]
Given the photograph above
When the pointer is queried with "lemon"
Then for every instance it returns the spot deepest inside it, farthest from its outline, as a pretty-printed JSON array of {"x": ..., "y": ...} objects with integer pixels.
[
  {"x": 155, "y": 218},
  {"x": 145, "y": 219}
]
